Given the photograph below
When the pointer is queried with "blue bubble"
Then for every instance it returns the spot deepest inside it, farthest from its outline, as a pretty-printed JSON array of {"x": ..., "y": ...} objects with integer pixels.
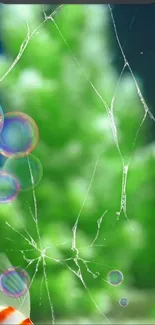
[
  {"x": 19, "y": 135},
  {"x": 9, "y": 187},
  {"x": 14, "y": 282},
  {"x": 115, "y": 277},
  {"x": 124, "y": 302}
]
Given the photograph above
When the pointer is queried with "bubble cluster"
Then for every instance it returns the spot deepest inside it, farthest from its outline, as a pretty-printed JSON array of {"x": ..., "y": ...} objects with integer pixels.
[
  {"x": 115, "y": 277},
  {"x": 21, "y": 167},
  {"x": 19, "y": 135},
  {"x": 14, "y": 282},
  {"x": 9, "y": 187},
  {"x": 124, "y": 302},
  {"x": 18, "y": 138}
]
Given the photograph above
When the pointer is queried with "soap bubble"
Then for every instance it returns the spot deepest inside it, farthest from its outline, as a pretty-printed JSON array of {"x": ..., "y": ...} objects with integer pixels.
[
  {"x": 19, "y": 135},
  {"x": 21, "y": 167},
  {"x": 1, "y": 119},
  {"x": 115, "y": 277},
  {"x": 14, "y": 282},
  {"x": 9, "y": 187},
  {"x": 123, "y": 302}
]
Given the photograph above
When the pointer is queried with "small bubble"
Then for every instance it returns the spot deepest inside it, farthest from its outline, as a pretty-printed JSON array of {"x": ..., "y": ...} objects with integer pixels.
[
  {"x": 124, "y": 302},
  {"x": 115, "y": 277}
]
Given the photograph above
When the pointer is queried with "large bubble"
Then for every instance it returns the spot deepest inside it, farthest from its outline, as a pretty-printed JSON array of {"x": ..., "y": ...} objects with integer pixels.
[
  {"x": 1, "y": 119},
  {"x": 19, "y": 135},
  {"x": 9, "y": 187},
  {"x": 14, "y": 282},
  {"x": 28, "y": 171},
  {"x": 115, "y": 277}
]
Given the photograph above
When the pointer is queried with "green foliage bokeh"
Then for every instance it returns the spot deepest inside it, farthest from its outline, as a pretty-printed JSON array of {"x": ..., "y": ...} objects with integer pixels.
[{"x": 48, "y": 84}]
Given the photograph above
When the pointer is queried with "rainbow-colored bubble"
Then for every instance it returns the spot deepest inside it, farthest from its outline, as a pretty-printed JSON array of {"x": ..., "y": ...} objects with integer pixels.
[
  {"x": 19, "y": 135},
  {"x": 1, "y": 119},
  {"x": 22, "y": 171},
  {"x": 28, "y": 171},
  {"x": 14, "y": 282},
  {"x": 9, "y": 187},
  {"x": 115, "y": 277}
]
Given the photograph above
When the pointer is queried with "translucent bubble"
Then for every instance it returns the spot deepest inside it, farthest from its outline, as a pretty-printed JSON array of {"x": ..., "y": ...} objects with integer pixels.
[
  {"x": 14, "y": 282},
  {"x": 9, "y": 187},
  {"x": 115, "y": 277},
  {"x": 123, "y": 302},
  {"x": 19, "y": 135},
  {"x": 20, "y": 167},
  {"x": 1, "y": 119}
]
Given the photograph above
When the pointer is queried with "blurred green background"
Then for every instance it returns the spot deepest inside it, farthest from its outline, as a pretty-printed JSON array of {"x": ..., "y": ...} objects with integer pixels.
[{"x": 49, "y": 85}]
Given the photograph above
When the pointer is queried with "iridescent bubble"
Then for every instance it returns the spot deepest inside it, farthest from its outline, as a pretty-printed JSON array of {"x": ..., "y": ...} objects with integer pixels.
[
  {"x": 1, "y": 119},
  {"x": 115, "y": 277},
  {"x": 14, "y": 282},
  {"x": 124, "y": 302},
  {"x": 9, "y": 187},
  {"x": 28, "y": 171},
  {"x": 19, "y": 135}
]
